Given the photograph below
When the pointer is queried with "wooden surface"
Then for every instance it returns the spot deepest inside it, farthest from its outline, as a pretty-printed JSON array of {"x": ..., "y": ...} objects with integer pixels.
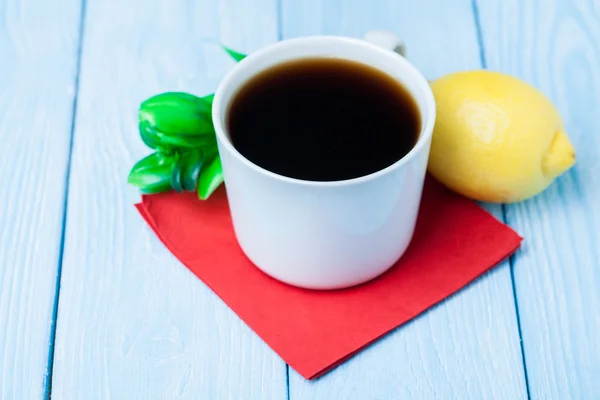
[
  {"x": 93, "y": 306},
  {"x": 38, "y": 68},
  {"x": 131, "y": 319},
  {"x": 555, "y": 45}
]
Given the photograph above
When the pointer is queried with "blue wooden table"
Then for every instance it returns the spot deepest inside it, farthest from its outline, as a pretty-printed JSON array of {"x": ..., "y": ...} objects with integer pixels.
[{"x": 92, "y": 305}]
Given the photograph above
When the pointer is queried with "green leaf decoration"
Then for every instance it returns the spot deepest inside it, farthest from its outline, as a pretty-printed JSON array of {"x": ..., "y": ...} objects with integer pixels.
[
  {"x": 209, "y": 98},
  {"x": 234, "y": 54},
  {"x": 176, "y": 177},
  {"x": 152, "y": 174},
  {"x": 148, "y": 134},
  {"x": 179, "y": 142},
  {"x": 210, "y": 178},
  {"x": 177, "y": 113},
  {"x": 179, "y": 127},
  {"x": 191, "y": 164}
]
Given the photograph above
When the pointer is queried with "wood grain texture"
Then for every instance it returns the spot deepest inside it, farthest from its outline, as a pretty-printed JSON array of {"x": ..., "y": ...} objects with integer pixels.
[
  {"x": 38, "y": 62},
  {"x": 467, "y": 348},
  {"x": 132, "y": 321},
  {"x": 555, "y": 46}
]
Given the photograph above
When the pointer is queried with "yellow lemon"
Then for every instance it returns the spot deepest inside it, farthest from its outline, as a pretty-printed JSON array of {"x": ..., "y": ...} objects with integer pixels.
[{"x": 496, "y": 138}]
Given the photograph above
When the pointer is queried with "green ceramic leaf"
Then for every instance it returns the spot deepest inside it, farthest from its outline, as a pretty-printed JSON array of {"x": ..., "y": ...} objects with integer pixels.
[
  {"x": 211, "y": 152},
  {"x": 209, "y": 98},
  {"x": 152, "y": 174},
  {"x": 191, "y": 164},
  {"x": 179, "y": 127},
  {"x": 148, "y": 135},
  {"x": 190, "y": 142},
  {"x": 177, "y": 113},
  {"x": 211, "y": 177},
  {"x": 234, "y": 54},
  {"x": 176, "y": 177},
  {"x": 156, "y": 139}
]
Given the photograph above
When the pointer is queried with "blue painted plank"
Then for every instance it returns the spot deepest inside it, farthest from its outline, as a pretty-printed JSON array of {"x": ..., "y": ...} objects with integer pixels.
[
  {"x": 38, "y": 63},
  {"x": 468, "y": 347},
  {"x": 555, "y": 45},
  {"x": 132, "y": 321}
]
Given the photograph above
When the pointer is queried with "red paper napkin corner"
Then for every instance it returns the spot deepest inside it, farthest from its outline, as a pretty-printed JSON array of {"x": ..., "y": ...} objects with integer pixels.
[{"x": 455, "y": 241}]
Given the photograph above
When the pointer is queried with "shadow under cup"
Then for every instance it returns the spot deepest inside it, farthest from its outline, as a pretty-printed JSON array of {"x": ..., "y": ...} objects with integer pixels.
[{"x": 332, "y": 234}]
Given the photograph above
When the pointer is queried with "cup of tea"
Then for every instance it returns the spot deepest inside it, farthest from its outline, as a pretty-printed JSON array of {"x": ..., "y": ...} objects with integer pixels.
[{"x": 324, "y": 142}]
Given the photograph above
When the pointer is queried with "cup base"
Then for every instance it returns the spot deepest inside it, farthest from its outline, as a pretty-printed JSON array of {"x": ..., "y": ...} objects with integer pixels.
[{"x": 323, "y": 286}]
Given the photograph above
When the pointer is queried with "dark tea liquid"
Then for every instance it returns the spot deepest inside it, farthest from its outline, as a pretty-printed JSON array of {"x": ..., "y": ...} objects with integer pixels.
[{"x": 323, "y": 119}]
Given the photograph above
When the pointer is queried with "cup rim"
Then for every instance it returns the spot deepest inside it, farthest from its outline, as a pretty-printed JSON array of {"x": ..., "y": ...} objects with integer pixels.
[{"x": 218, "y": 106}]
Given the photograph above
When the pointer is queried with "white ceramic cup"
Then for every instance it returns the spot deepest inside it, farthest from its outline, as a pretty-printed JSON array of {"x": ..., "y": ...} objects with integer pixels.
[{"x": 325, "y": 235}]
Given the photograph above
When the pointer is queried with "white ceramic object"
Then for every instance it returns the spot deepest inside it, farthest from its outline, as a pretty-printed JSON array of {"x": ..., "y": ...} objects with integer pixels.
[{"x": 325, "y": 235}]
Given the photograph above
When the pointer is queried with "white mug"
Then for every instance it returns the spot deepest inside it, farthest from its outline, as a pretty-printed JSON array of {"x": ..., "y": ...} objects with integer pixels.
[{"x": 325, "y": 235}]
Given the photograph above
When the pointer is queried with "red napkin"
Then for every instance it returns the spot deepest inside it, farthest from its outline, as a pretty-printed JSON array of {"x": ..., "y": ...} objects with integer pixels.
[{"x": 313, "y": 331}]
